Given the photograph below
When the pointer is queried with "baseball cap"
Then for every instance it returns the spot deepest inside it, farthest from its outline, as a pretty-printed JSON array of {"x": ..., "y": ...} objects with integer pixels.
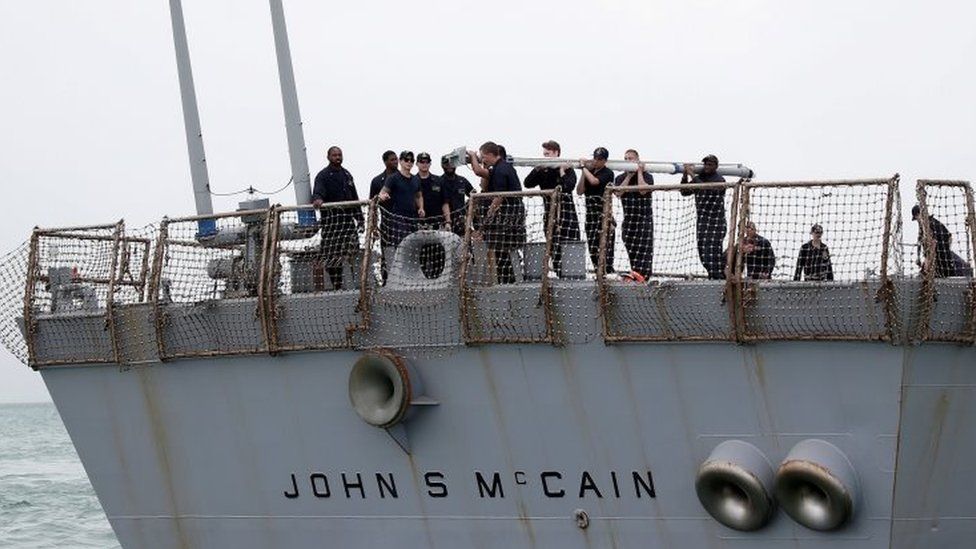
[
  {"x": 406, "y": 155},
  {"x": 601, "y": 153},
  {"x": 816, "y": 228},
  {"x": 423, "y": 157}
]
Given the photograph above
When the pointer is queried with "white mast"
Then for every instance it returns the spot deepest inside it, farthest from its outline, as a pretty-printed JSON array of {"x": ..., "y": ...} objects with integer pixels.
[
  {"x": 191, "y": 122},
  {"x": 293, "y": 118}
]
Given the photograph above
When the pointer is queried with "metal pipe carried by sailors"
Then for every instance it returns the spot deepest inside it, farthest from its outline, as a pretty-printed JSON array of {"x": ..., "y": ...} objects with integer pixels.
[
  {"x": 671, "y": 168},
  {"x": 293, "y": 118},
  {"x": 191, "y": 122},
  {"x": 459, "y": 157}
]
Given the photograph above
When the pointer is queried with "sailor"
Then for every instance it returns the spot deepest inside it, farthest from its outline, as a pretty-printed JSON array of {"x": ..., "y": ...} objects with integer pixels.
[
  {"x": 637, "y": 229},
  {"x": 814, "y": 259},
  {"x": 375, "y": 186},
  {"x": 757, "y": 254},
  {"x": 593, "y": 183},
  {"x": 435, "y": 203},
  {"x": 457, "y": 189},
  {"x": 710, "y": 224},
  {"x": 947, "y": 262},
  {"x": 339, "y": 225},
  {"x": 503, "y": 227},
  {"x": 562, "y": 178},
  {"x": 389, "y": 167},
  {"x": 402, "y": 200}
]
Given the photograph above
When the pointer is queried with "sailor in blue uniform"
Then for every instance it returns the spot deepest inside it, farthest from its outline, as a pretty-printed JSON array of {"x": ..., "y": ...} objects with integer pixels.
[
  {"x": 593, "y": 183},
  {"x": 562, "y": 178},
  {"x": 339, "y": 225},
  {"x": 503, "y": 226},
  {"x": 375, "y": 186},
  {"x": 710, "y": 222},
  {"x": 431, "y": 188},
  {"x": 402, "y": 199},
  {"x": 813, "y": 261},
  {"x": 456, "y": 189},
  {"x": 637, "y": 229}
]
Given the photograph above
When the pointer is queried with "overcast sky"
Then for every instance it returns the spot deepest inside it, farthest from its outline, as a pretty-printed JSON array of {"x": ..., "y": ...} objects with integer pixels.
[{"x": 91, "y": 127}]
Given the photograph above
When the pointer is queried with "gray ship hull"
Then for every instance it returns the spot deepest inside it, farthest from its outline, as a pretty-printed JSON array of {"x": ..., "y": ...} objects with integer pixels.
[{"x": 209, "y": 453}]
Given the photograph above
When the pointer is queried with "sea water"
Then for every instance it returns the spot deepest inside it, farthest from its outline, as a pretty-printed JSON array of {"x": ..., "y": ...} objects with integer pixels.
[{"x": 46, "y": 500}]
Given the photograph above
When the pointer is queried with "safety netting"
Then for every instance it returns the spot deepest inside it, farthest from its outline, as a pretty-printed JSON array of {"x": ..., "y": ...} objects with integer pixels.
[
  {"x": 945, "y": 257},
  {"x": 318, "y": 263},
  {"x": 815, "y": 259},
  {"x": 667, "y": 248},
  {"x": 505, "y": 267},
  {"x": 741, "y": 261}
]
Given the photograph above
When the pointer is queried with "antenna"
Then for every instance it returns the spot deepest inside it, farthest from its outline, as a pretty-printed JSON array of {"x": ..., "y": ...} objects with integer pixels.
[
  {"x": 191, "y": 121},
  {"x": 293, "y": 118}
]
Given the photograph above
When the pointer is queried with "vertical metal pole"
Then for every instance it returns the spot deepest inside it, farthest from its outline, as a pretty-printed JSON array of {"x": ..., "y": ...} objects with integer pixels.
[
  {"x": 741, "y": 298},
  {"x": 886, "y": 292},
  {"x": 555, "y": 205},
  {"x": 927, "y": 292},
  {"x": 191, "y": 121},
  {"x": 601, "y": 266},
  {"x": 30, "y": 328},
  {"x": 293, "y": 118}
]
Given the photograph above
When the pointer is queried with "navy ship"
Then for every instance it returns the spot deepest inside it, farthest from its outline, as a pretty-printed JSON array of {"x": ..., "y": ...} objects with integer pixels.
[{"x": 488, "y": 388}]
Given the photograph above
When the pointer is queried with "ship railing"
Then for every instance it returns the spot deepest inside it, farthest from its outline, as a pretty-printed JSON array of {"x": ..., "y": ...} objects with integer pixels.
[
  {"x": 413, "y": 298},
  {"x": 511, "y": 265},
  {"x": 946, "y": 221},
  {"x": 207, "y": 290},
  {"x": 652, "y": 237},
  {"x": 318, "y": 278},
  {"x": 750, "y": 295},
  {"x": 851, "y": 295},
  {"x": 507, "y": 247},
  {"x": 89, "y": 274}
]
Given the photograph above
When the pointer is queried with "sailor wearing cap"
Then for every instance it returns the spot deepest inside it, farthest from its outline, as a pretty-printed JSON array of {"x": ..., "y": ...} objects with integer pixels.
[
  {"x": 814, "y": 259},
  {"x": 947, "y": 262},
  {"x": 390, "y": 162},
  {"x": 435, "y": 203},
  {"x": 456, "y": 189},
  {"x": 402, "y": 198},
  {"x": 710, "y": 222},
  {"x": 593, "y": 183}
]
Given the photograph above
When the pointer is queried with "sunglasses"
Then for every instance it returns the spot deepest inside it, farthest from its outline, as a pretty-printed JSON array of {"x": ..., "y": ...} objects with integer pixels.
[
  {"x": 423, "y": 162},
  {"x": 407, "y": 160}
]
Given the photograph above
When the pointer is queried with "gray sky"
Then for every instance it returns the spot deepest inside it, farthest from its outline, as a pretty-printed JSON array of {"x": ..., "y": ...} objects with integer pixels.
[{"x": 92, "y": 130}]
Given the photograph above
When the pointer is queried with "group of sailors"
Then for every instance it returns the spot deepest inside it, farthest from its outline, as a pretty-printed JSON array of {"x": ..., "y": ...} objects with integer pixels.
[{"x": 411, "y": 201}]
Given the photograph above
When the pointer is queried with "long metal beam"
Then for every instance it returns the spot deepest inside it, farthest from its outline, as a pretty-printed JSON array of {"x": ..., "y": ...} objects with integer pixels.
[
  {"x": 191, "y": 122},
  {"x": 733, "y": 170},
  {"x": 293, "y": 117}
]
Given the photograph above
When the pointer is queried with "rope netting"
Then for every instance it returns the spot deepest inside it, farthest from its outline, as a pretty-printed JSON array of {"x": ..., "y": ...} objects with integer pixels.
[
  {"x": 13, "y": 280},
  {"x": 815, "y": 259},
  {"x": 415, "y": 268},
  {"x": 69, "y": 317},
  {"x": 317, "y": 272},
  {"x": 505, "y": 267},
  {"x": 945, "y": 253},
  {"x": 807, "y": 261},
  {"x": 664, "y": 234},
  {"x": 206, "y": 284}
]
